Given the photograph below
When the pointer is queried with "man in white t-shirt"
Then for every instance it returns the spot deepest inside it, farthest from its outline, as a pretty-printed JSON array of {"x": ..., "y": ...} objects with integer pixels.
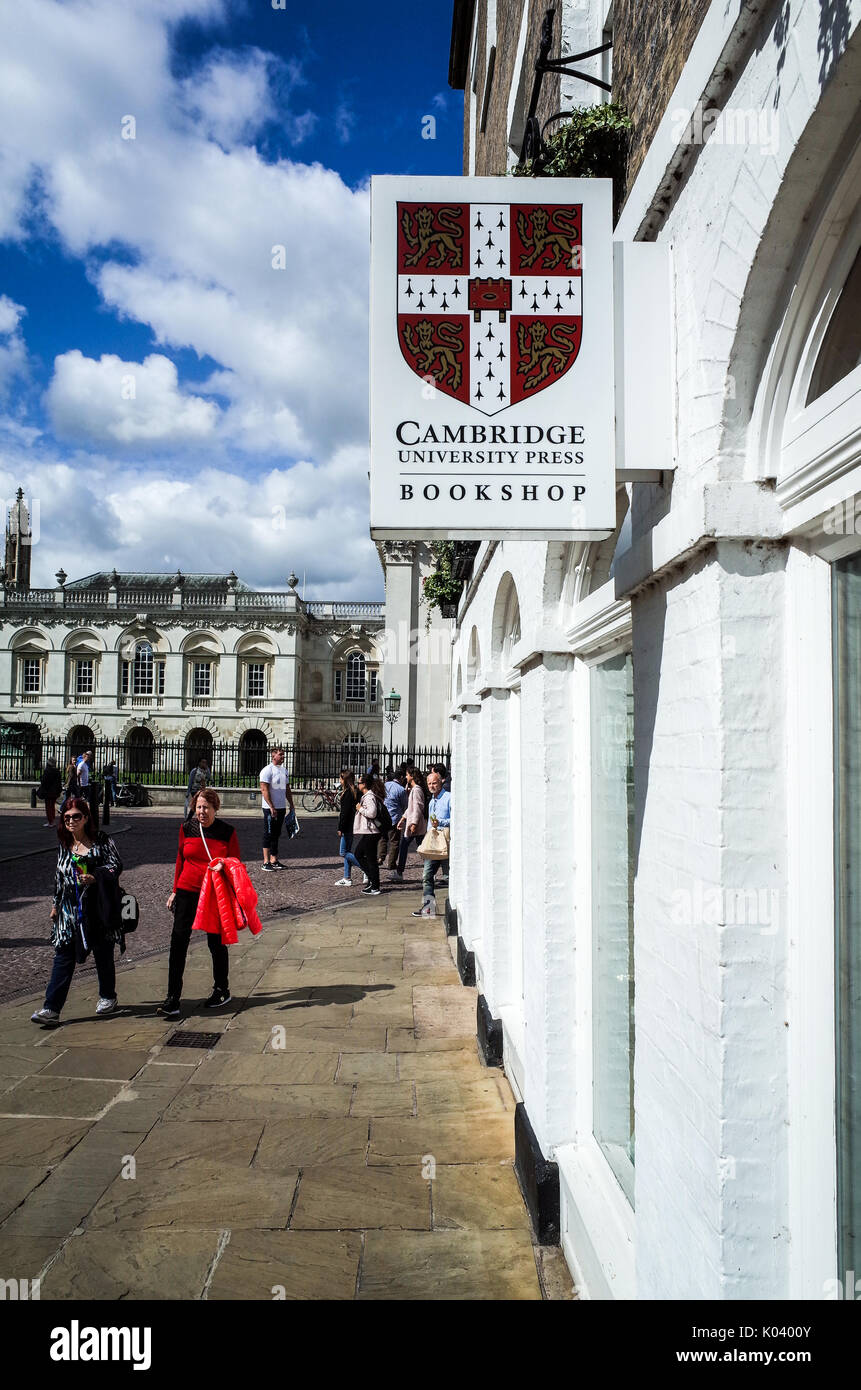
[{"x": 276, "y": 794}]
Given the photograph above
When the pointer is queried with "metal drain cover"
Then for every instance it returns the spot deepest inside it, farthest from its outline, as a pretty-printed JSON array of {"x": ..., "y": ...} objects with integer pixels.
[{"x": 206, "y": 1040}]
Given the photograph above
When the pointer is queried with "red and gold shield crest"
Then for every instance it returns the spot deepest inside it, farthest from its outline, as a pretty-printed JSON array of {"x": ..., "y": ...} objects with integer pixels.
[{"x": 490, "y": 303}]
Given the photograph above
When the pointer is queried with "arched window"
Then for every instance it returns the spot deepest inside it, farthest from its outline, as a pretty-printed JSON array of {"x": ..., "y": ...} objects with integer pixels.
[
  {"x": 79, "y": 740},
  {"x": 355, "y": 676},
  {"x": 354, "y": 752},
  {"x": 840, "y": 352},
  {"x": 142, "y": 670},
  {"x": 139, "y": 752},
  {"x": 198, "y": 744},
  {"x": 252, "y": 752}
]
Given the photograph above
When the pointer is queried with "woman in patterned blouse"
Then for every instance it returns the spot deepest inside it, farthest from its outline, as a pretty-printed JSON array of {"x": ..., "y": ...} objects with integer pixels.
[{"x": 83, "y": 851}]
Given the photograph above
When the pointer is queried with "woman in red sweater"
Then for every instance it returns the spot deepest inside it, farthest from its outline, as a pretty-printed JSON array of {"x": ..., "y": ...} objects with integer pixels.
[{"x": 191, "y": 862}]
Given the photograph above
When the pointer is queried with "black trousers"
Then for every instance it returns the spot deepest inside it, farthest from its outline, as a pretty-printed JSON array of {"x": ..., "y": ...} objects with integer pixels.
[
  {"x": 64, "y": 968},
  {"x": 365, "y": 850},
  {"x": 183, "y": 916}
]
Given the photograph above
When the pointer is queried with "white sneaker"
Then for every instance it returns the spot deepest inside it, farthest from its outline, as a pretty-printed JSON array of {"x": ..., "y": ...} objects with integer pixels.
[
  {"x": 49, "y": 1018},
  {"x": 106, "y": 1006},
  {"x": 47, "y": 825},
  {"x": 343, "y": 883},
  {"x": 365, "y": 880}
]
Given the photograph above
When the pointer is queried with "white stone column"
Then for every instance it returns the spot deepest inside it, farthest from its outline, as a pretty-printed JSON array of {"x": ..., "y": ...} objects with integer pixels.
[
  {"x": 495, "y": 793},
  {"x": 457, "y": 843},
  {"x": 547, "y": 822},
  {"x": 469, "y": 820},
  {"x": 710, "y": 931},
  {"x": 399, "y": 672}
]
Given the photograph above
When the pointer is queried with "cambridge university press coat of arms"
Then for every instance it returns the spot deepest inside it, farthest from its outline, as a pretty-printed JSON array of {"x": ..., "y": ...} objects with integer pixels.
[{"x": 490, "y": 302}]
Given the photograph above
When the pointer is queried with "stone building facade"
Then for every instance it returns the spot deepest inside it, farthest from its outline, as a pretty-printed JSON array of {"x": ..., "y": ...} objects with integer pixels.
[
  {"x": 656, "y": 741},
  {"x": 198, "y": 657},
  {"x": 203, "y": 658}
]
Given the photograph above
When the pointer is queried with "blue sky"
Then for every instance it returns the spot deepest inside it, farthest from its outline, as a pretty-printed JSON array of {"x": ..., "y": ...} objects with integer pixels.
[{"x": 200, "y": 405}]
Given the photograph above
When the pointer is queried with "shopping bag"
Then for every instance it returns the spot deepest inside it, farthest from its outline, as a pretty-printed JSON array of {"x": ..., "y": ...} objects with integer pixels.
[{"x": 435, "y": 844}]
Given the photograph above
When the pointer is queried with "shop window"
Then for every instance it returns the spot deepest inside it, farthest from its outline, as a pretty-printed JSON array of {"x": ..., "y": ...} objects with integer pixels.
[
  {"x": 847, "y": 858},
  {"x": 612, "y": 742},
  {"x": 840, "y": 352}
]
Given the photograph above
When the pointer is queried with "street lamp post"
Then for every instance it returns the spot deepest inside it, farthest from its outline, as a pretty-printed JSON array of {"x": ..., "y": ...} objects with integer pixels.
[{"x": 392, "y": 708}]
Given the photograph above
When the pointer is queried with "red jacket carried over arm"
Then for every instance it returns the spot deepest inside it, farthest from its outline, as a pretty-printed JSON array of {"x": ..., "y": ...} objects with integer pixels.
[{"x": 228, "y": 901}]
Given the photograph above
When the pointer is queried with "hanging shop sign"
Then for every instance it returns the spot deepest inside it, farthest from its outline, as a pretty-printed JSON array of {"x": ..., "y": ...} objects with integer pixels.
[{"x": 492, "y": 359}]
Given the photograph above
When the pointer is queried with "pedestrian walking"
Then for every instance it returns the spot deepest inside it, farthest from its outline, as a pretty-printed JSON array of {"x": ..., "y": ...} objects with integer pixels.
[
  {"x": 191, "y": 862},
  {"x": 87, "y": 787},
  {"x": 346, "y": 817},
  {"x": 444, "y": 774},
  {"x": 110, "y": 780},
  {"x": 86, "y": 912},
  {"x": 70, "y": 783},
  {"x": 413, "y": 823},
  {"x": 49, "y": 790},
  {"x": 276, "y": 794},
  {"x": 199, "y": 777},
  {"x": 396, "y": 805},
  {"x": 367, "y": 824},
  {"x": 439, "y": 818}
]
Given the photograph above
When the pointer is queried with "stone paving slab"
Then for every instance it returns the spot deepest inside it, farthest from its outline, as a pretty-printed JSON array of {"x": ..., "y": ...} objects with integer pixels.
[
  {"x": 343, "y": 1139},
  {"x": 16, "y": 1184},
  {"x": 347, "y": 1197},
  {"x": 196, "y": 1193},
  {"x": 103, "y": 1063},
  {"x": 448, "y": 1265},
  {"x": 303, "y": 1143},
  {"x": 159, "y": 1264},
  {"x": 288, "y": 1264}
]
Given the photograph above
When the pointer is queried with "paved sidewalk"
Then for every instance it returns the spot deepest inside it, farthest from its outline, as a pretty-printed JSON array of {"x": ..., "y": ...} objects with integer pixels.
[{"x": 342, "y": 1140}]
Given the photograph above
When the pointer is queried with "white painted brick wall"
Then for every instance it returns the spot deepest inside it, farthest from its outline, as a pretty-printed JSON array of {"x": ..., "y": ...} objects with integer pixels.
[{"x": 709, "y": 649}]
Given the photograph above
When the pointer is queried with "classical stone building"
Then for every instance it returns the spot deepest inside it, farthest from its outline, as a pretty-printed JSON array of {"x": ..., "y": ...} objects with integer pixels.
[
  {"x": 201, "y": 658},
  {"x": 657, "y": 746}
]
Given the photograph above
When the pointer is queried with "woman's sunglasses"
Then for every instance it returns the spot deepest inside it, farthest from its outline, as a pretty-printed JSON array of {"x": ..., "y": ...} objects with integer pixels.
[{"x": 76, "y": 816}]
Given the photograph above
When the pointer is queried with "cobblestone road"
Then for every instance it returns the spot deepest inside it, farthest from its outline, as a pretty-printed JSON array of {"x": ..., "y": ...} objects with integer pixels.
[{"x": 147, "y": 843}]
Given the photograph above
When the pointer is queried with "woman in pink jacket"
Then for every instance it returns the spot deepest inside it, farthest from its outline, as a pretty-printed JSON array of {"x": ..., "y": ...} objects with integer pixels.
[
  {"x": 413, "y": 823},
  {"x": 366, "y": 831}
]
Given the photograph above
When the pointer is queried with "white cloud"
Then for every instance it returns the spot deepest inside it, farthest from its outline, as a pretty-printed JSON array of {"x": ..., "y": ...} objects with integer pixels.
[
  {"x": 229, "y": 97},
  {"x": 117, "y": 402},
  {"x": 200, "y": 220},
  {"x": 308, "y": 517},
  {"x": 345, "y": 119},
  {"x": 13, "y": 351},
  {"x": 195, "y": 211},
  {"x": 10, "y": 314}
]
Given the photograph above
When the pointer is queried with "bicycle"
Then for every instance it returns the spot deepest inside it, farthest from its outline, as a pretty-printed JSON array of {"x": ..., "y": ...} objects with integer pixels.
[
  {"x": 132, "y": 794},
  {"x": 321, "y": 799}
]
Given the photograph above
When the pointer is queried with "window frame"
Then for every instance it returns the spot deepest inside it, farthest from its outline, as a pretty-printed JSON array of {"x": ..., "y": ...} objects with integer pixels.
[
  {"x": 80, "y": 663},
  {"x": 30, "y": 662}
]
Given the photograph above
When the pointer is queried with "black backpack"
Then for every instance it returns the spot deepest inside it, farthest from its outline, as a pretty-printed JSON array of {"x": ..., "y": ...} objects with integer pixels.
[{"x": 384, "y": 820}]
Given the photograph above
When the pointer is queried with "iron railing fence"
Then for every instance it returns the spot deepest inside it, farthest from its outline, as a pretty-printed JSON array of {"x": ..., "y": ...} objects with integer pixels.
[{"x": 168, "y": 762}]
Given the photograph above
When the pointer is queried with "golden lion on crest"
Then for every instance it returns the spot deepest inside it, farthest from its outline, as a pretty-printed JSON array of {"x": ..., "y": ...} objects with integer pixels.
[
  {"x": 436, "y": 358},
  {"x": 544, "y": 352},
  {"x": 421, "y": 236},
  {"x": 555, "y": 244}
]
